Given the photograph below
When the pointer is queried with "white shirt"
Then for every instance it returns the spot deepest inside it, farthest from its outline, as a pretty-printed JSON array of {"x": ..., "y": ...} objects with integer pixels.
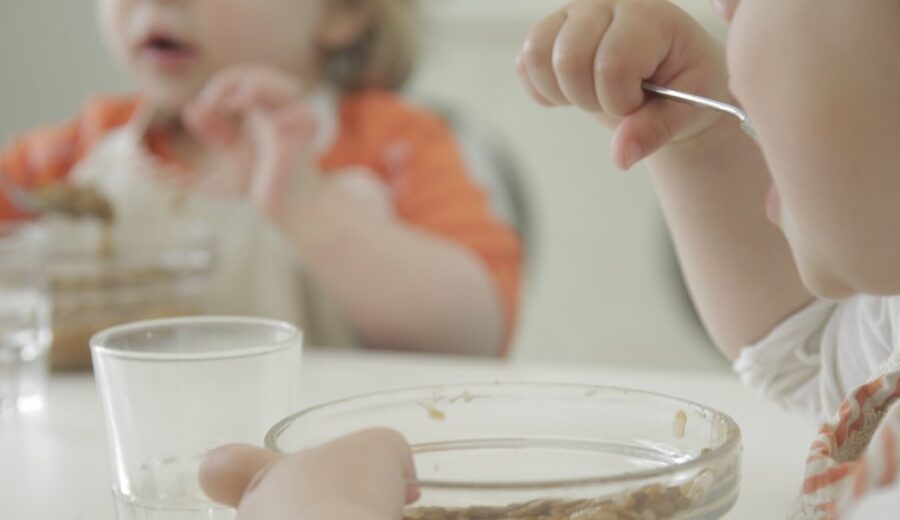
[
  {"x": 815, "y": 358},
  {"x": 813, "y": 361}
]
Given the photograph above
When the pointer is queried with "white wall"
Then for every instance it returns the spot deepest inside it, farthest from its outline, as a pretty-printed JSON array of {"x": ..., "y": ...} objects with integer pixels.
[
  {"x": 604, "y": 289},
  {"x": 51, "y": 60}
]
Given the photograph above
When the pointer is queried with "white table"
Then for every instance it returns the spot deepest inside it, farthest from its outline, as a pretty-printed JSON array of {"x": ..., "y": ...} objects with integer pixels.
[{"x": 53, "y": 464}]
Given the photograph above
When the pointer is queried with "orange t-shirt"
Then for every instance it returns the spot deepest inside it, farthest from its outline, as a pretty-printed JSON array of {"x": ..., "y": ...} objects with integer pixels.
[{"x": 412, "y": 151}]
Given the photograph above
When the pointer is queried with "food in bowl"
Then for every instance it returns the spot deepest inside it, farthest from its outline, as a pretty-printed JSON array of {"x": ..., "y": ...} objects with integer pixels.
[
  {"x": 544, "y": 451},
  {"x": 653, "y": 501}
]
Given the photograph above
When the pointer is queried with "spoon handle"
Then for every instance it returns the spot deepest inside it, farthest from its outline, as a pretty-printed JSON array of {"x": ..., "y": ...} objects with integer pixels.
[{"x": 703, "y": 102}]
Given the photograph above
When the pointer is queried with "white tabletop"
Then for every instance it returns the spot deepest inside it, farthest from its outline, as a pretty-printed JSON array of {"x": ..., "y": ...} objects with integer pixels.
[{"x": 53, "y": 464}]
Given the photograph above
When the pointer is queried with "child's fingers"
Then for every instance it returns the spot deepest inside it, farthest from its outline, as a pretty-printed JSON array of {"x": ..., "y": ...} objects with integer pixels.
[
  {"x": 238, "y": 89},
  {"x": 646, "y": 130},
  {"x": 217, "y": 113},
  {"x": 208, "y": 117},
  {"x": 574, "y": 55},
  {"x": 522, "y": 71},
  {"x": 268, "y": 173},
  {"x": 228, "y": 472},
  {"x": 296, "y": 125},
  {"x": 264, "y": 88},
  {"x": 211, "y": 125},
  {"x": 537, "y": 55},
  {"x": 220, "y": 87},
  {"x": 380, "y": 441},
  {"x": 628, "y": 54},
  {"x": 607, "y": 120},
  {"x": 362, "y": 472},
  {"x": 280, "y": 140}
]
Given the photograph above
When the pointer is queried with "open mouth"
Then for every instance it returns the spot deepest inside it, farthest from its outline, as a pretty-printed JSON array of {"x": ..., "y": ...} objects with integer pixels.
[
  {"x": 167, "y": 51},
  {"x": 164, "y": 44}
]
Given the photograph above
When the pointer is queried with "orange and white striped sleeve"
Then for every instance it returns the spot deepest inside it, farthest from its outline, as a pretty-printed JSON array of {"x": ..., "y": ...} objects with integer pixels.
[{"x": 856, "y": 455}]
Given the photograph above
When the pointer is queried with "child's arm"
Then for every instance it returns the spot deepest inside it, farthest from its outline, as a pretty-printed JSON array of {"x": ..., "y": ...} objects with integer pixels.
[
  {"x": 711, "y": 178},
  {"x": 361, "y": 476},
  {"x": 399, "y": 286},
  {"x": 739, "y": 268}
]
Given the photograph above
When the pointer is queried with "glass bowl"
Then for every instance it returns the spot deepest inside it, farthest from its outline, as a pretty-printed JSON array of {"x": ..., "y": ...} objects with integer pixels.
[
  {"x": 544, "y": 451},
  {"x": 101, "y": 277}
]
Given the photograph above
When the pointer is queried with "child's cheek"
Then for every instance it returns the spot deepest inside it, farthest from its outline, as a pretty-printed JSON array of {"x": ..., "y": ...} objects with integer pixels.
[
  {"x": 741, "y": 55},
  {"x": 112, "y": 21},
  {"x": 758, "y": 35}
]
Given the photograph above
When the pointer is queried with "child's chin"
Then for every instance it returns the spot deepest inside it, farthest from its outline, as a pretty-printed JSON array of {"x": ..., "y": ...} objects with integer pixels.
[
  {"x": 824, "y": 284},
  {"x": 170, "y": 95}
]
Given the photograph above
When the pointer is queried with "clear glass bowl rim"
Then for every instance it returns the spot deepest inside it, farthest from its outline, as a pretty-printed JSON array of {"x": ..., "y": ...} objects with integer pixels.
[{"x": 730, "y": 448}]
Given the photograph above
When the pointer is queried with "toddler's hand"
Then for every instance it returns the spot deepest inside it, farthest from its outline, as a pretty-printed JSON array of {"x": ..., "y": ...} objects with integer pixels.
[
  {"x": 361, "y": 476},
  {"x": 595, "y": 54},
  {"x": 255, "y": 117}
]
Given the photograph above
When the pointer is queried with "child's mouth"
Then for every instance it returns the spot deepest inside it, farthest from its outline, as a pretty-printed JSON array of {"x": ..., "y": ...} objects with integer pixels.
[{"x": 166, "y": 52}]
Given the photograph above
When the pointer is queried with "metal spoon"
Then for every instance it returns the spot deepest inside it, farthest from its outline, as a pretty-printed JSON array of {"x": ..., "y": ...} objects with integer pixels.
[{"x": 700, "y": 101}]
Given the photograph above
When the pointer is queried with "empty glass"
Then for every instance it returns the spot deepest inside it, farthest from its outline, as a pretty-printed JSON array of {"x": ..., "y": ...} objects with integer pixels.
[
  {"x": 173, "y": 389},
  {"x": 25, "y": 333}
]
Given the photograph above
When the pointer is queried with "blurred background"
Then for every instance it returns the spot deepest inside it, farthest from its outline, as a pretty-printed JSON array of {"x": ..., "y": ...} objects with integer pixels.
[{"x": 603, "y": 285}]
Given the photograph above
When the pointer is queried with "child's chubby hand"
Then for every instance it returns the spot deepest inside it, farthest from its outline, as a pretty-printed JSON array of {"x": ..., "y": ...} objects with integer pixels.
[
  {"x": 362, "y": 476},
  {"x": 254, "y": 120},
  {"x": 595, "y": 54}
]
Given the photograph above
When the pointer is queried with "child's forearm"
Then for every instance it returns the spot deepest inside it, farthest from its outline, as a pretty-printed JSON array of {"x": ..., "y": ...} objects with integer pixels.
[
  {"x": 737, "y": 264},
  {"x": 401, "y": 288}
]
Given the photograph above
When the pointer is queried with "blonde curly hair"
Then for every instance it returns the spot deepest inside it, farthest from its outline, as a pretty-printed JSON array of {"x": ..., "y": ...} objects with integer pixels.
[{"x": 384, "y": 55}]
